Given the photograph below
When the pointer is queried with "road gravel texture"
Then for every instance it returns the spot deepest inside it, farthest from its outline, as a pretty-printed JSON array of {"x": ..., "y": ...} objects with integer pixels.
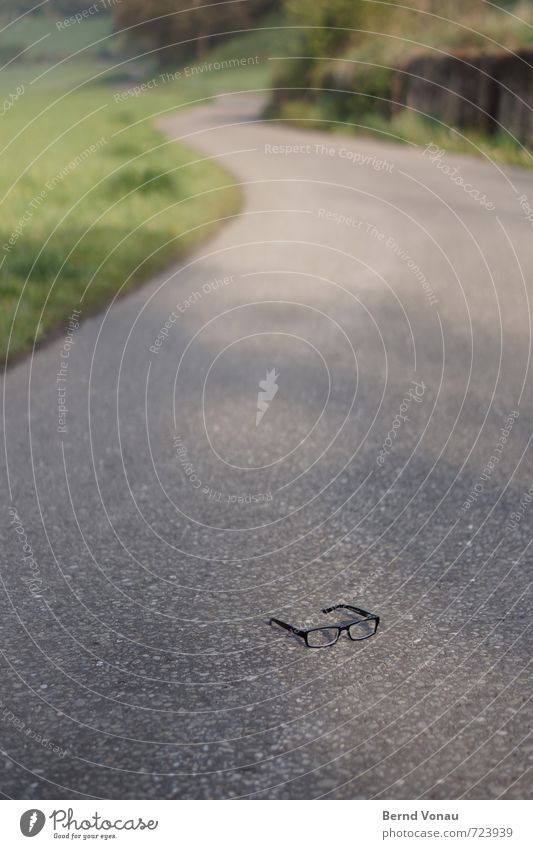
[{"x": 372, "y": 303}]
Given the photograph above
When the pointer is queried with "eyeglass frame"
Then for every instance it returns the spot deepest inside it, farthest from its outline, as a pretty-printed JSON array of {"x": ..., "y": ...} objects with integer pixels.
[{"x": 340, "y": 627}]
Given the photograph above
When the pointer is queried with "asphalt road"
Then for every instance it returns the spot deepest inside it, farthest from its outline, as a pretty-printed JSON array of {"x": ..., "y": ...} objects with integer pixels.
[{"x": 147, "y": 541}]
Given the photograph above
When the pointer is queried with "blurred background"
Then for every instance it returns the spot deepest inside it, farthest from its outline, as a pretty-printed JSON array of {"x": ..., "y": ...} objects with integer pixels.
[{"x": 73, "y": 71}]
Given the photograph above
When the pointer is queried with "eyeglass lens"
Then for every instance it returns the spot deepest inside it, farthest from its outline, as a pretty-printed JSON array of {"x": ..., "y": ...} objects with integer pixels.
[
  {"x": 363, "y": 629},
  {"x": 322, "y": 637}
]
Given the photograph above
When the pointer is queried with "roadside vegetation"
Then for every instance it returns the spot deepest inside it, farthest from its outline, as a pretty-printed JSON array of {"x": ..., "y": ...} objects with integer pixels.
[
  {"x": 94, "y": 199},
  {"x": 341, "y": 75}
]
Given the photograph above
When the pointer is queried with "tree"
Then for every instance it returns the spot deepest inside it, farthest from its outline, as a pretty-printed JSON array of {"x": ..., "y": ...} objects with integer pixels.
[{"x": 177, "y": 28}]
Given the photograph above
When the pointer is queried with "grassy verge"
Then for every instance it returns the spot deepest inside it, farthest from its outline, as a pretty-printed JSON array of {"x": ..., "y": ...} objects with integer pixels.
[
  {"x": 94, "y": 198},
  {"x": 96, "y": 212}
]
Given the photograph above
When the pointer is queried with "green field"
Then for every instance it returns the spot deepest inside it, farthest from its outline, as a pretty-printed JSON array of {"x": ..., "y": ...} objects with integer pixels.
[{"x": 94, "y": 198}]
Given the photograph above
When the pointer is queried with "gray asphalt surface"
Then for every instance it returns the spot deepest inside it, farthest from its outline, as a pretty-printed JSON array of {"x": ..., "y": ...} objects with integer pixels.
[{"x": 165, "y": 526}]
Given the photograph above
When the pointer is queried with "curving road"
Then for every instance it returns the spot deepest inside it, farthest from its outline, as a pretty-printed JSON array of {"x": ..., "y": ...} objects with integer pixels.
[{"x": 153, "y": 526}]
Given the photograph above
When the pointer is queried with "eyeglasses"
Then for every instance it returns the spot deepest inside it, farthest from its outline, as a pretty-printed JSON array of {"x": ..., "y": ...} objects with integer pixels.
[{"x": 361, "y": 627}]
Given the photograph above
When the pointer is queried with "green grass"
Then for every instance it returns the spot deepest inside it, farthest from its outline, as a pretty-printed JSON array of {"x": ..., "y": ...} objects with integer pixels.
[
  {"x": 130, "y": 208},
  {"x": 42, "y": 41},
  {"x": 408, "y": 127},
  {"x": 405, "y": 127},
  {"x": 124, "y": 211},
  {"x": 117, "y": 216}
]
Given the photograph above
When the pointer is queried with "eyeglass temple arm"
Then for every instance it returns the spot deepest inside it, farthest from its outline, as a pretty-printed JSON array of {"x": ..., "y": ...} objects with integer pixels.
[
  {"x": 347, "y": 607},
  {"x": 286, "y": 625}
]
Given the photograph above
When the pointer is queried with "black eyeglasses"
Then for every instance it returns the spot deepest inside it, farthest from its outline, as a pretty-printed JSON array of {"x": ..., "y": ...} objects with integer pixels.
[{"x": 362, "y": 627}]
